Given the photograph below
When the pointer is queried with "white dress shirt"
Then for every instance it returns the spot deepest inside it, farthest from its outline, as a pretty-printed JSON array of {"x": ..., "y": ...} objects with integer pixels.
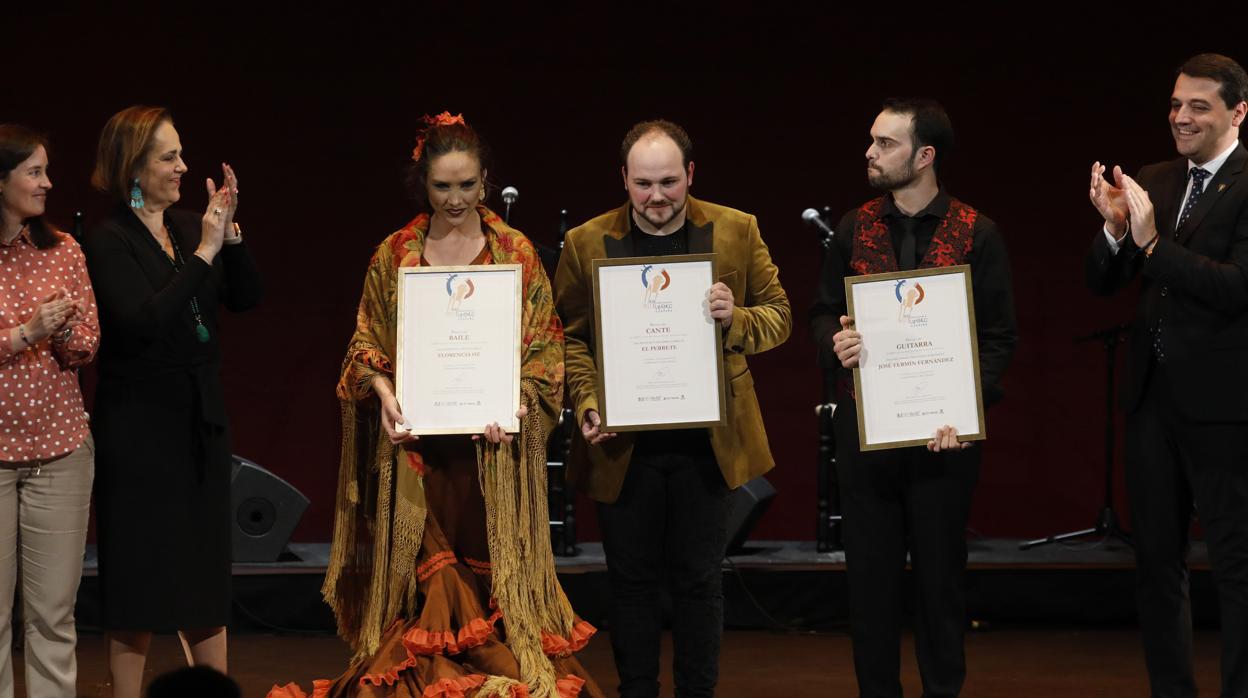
[{"x": 1211, "y": 167}]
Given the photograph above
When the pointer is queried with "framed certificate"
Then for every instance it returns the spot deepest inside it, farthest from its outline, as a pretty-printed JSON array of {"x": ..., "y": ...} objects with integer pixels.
[
  {"x": 919, "y": 367},
  {"x": 658, "y": 349},
  {"x": 459, "y": 348}
]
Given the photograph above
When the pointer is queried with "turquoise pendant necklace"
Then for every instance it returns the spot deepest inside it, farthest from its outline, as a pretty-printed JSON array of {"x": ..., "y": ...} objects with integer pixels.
[{"x": 201, "y": 332}]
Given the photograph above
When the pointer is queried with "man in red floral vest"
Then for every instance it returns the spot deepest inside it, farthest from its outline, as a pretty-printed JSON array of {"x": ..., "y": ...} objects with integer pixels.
[{"x": 909, "y": 500}]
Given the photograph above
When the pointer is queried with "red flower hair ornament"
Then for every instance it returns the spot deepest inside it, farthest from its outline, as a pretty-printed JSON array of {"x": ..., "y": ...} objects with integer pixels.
[{"x": 430, "y": 123}]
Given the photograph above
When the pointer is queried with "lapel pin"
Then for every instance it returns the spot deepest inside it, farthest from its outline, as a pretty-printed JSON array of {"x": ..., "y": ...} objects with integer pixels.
[{"x": 1222, "y": 187}]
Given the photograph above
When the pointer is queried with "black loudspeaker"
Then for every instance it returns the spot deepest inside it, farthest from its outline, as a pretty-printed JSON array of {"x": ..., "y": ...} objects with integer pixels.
[
  {"x": 746, "y": 506},
  {"x": 265, "y": 509}
]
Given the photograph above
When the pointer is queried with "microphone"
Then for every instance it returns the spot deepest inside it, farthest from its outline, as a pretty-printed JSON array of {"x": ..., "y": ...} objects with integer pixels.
[
  {"x": 510, "y": 194},
  {"x": 812, "y": 217},
  {"x": 563, "y": 226}
]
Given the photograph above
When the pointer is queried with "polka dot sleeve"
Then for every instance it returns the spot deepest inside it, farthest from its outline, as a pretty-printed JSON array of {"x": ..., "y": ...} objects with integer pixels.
[
  {"x": 41, "y": 411},
  {"x": 80, "y": 348}
]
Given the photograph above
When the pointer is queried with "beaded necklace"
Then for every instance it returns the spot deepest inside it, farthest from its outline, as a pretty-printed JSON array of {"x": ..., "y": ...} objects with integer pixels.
[{"x": 201, "y": 332}]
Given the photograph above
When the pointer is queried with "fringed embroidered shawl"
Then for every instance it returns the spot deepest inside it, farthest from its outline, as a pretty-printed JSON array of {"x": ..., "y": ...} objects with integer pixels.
[{"x": 381, "y": 509}]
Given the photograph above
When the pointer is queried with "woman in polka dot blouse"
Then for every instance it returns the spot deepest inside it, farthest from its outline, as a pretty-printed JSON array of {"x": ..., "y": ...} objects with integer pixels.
[
  {"x": 162, "y": 492},
  {"x": 47, "y": 330}
]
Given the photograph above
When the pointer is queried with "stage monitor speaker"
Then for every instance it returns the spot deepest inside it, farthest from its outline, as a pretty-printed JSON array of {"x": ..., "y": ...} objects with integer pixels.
[
  {"x": 265, "y": 510},
  {"x": 746, "y": 506}
]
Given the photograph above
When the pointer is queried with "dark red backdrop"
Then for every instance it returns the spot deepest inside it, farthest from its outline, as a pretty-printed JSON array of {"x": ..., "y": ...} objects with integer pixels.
[{"x": 317, "y": 110}]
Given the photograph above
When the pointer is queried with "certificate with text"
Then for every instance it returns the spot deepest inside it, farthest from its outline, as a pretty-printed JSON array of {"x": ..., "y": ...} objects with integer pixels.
[
  {"x": 459, "y": 348},
  {"x": 657, "y": 347},
  {"x": 919, "y": 366}
]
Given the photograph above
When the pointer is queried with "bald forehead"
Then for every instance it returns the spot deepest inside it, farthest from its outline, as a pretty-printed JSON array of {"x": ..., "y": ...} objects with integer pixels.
[{"x": 655, "y": 150}]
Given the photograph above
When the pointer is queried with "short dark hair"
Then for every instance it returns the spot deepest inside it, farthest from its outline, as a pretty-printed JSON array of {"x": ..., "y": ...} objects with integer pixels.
[
  {"x": 1222, "y": 69},
  {"x": 194, "y": 682},
  {"x": 929, "y": 125},
  {"x": 126, "y": 139},
  {"x": 435, "y": 140},
  {"x": 663, "y": 126},
  {"x": 17, "y": 144}
]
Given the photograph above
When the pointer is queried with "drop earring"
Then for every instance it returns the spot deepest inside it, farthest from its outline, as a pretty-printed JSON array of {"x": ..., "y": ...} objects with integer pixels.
[{"x": 136, "y": 194}]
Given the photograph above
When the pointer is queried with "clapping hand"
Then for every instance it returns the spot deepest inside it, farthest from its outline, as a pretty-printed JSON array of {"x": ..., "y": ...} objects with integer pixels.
[
  {"x": 212, "y": 233},
  {"x": 52, "y": 315},
  {"x": 1110, "y": 200},
  {"x": 230, "y": 184},
  {"x": 77, "y": 312},
  {"x": 1140, "y": 208}
]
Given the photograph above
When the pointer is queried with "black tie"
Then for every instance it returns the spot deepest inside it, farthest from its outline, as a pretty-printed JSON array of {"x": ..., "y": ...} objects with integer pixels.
[
  {"x": 1198, "y": 187},
  {"x": 906, "y": 260}
]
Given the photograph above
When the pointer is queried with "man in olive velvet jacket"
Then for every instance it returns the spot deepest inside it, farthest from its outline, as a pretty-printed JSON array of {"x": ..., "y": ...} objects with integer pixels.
[{"x": 663, "y": 495}]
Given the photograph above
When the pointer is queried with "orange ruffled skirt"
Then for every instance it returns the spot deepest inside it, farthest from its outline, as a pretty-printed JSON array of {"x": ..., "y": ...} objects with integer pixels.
[{"x": 457, "y": 642}]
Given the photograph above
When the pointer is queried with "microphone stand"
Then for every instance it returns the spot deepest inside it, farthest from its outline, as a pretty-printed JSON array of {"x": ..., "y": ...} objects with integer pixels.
[
  {"x": 1106, "y": 525},
  {"x": 828, "y": 517},
  {"x": 562, "y": 501},
  {"x": 823, "y": 230},
  {"x": 509, "y": 194},
  {"x": 827, "y": 488},
  {"x": 550, "y": 255}
]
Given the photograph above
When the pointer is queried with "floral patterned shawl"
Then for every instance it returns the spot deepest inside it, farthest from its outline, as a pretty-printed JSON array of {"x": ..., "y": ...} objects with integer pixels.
[{"x": 381, "y": 509}]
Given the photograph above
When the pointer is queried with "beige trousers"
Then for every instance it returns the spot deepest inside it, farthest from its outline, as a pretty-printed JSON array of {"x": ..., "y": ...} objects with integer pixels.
[{"x": 43, "y": 515}]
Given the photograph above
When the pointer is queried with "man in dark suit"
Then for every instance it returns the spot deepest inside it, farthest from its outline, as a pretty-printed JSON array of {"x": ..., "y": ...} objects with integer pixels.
[
  {"x": 1183, "y": 226},
  {"x": 663, "y": 495}
]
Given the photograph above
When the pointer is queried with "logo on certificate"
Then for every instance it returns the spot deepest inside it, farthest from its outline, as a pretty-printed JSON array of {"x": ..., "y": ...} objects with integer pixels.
[
  {"x": 655, "y": 283},
  {"x": 909, "y": 296},
  {"x": 458, "y": 290}
]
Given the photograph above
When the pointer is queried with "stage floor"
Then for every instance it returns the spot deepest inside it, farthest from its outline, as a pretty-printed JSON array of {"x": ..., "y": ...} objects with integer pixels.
[
  {"x": 773, "y": 585},
  {"x": 1058, "y": 619},
  {"x": 983, "y": 553},
  {"x": 1004, "y": 663}
]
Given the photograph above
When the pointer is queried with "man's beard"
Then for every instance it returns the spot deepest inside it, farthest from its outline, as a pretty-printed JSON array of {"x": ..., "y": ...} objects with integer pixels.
[
  {"x": 672, "y": 207},
  {"x": 891, "y": 182}
]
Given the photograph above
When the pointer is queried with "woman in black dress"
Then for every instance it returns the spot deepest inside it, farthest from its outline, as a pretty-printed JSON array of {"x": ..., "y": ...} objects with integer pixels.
[{"x": 163, "y": 454}]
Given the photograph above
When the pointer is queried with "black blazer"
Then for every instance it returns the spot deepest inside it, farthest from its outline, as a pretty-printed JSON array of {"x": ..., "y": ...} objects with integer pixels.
[
  {"x": 1196, "y": 285},
  {"x": 147, "y": 330}
]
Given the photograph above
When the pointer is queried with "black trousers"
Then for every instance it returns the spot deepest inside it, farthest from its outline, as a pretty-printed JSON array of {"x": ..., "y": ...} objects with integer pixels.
[
  {"x": 667, "y": 529},
  {"x": 1173, "y": 463},
  {"x": 894, "y": 502}
]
